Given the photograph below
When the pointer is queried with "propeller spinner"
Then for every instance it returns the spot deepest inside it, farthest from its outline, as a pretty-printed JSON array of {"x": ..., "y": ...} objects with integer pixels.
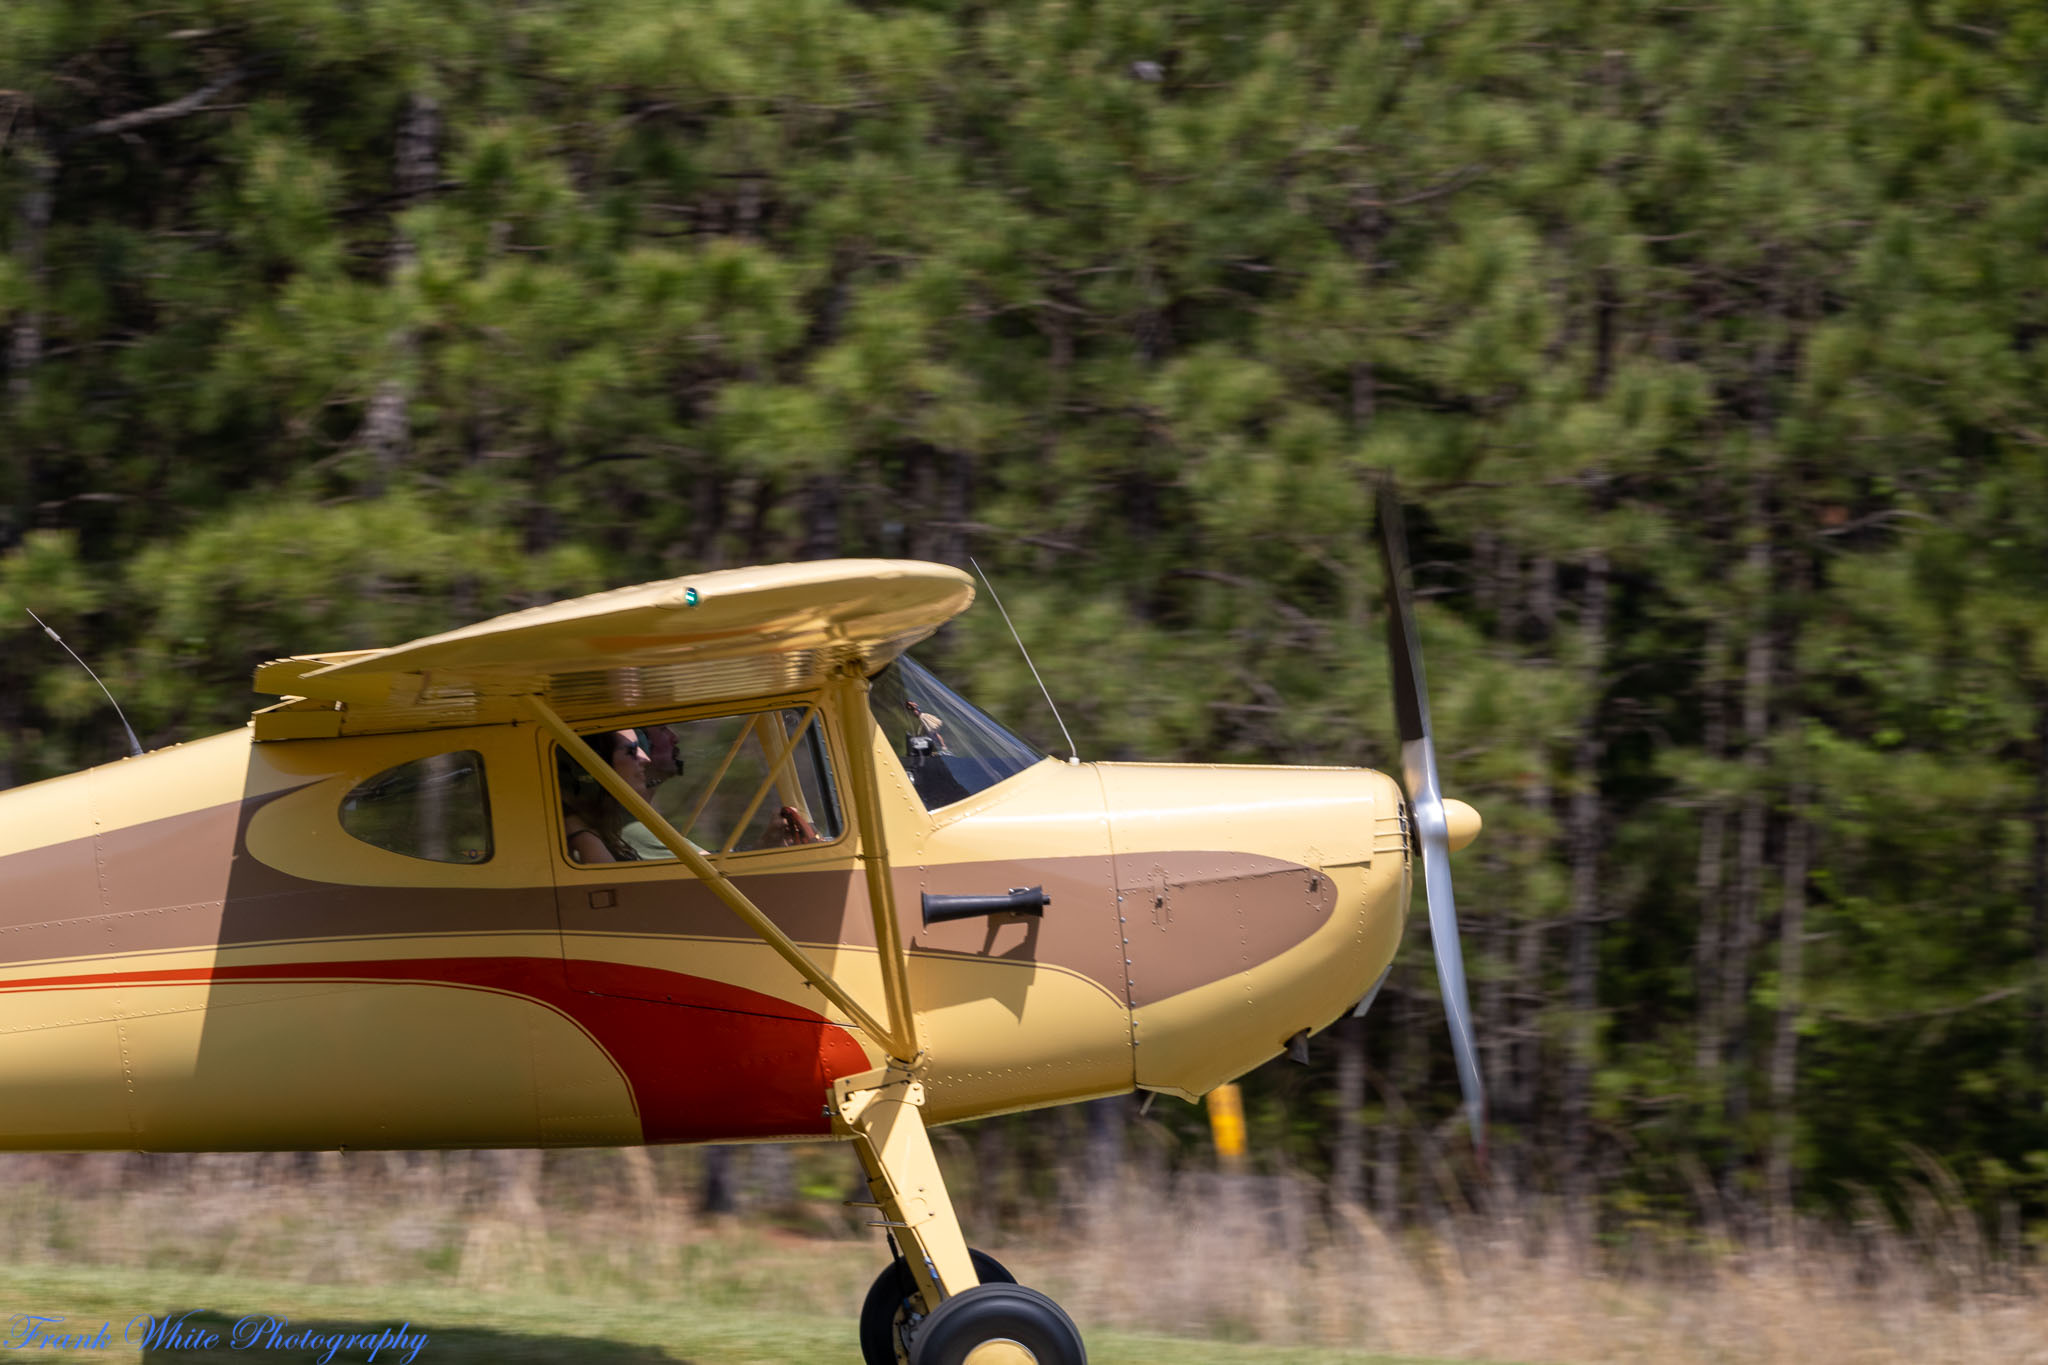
[{"x": 1431, "y": 815}]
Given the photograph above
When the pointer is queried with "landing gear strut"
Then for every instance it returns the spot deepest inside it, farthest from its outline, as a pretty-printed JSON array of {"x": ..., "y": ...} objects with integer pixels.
[{"x": 937, "y": 1303}]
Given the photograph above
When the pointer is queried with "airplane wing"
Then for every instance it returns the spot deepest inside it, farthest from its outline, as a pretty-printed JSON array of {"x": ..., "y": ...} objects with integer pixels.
[{"x": 704, "y": 637}]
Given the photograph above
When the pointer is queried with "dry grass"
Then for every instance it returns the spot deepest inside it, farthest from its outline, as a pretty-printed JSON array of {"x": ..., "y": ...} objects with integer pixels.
[
  {"x": 1197, "y": 1256},
  {"x": 1518, "y": 1288}
]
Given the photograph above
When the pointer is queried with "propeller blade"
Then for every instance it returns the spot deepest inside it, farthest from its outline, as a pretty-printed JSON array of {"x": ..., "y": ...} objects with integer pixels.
[{"x": 1426, "y": 806}]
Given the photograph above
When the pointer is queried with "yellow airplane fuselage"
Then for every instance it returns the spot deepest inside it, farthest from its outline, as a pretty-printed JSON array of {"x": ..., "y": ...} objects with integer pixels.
[{"x": 196, "y": 955}]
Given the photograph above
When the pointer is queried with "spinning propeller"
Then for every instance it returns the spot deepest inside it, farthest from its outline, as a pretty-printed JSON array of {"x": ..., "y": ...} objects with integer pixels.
[{"x": 1427, "y": 807}]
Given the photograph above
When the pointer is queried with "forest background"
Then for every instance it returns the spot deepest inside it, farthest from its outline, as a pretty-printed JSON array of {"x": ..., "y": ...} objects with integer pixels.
[{"x": 1706, "y": 344}]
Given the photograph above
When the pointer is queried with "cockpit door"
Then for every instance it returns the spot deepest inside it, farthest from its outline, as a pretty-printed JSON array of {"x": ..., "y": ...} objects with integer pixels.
[{"x": 755, "y": 792}]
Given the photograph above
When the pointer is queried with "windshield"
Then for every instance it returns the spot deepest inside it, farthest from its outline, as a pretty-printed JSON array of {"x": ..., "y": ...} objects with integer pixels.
[{"x": 950, "y": 750}]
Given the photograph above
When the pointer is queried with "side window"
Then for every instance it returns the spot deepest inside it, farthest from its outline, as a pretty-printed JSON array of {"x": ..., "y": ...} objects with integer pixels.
[
  {"x": 729, "y": 784},
  {"x": 434, "y": 808}
]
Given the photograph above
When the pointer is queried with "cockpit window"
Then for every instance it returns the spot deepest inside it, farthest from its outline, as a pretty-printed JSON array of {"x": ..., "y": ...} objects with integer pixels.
[
  {"x": 433, "y": 808},
  {"x": 728, "y": 784},
  {"x": 950, "y": 749}
]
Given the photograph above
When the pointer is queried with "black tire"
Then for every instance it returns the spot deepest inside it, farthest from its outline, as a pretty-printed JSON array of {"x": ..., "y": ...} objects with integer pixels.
[
  {"x": 892, "y": 1305},
  {"x": 1007, "y": 1313}
]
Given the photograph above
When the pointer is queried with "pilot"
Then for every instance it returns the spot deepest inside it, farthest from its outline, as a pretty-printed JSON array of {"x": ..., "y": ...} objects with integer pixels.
[{"x": 664, "y": 761}]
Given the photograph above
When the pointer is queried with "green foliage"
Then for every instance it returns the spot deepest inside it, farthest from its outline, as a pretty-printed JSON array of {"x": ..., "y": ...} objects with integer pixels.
[{"x": 1136, "y": 303}]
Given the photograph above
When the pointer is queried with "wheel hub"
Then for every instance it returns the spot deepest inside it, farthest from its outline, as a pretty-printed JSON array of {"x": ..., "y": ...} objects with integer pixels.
[{"x": 1001, "y": 1351}]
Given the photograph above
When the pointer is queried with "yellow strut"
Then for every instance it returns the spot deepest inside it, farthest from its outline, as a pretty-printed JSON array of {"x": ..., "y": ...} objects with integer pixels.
[
  {"x": 858, "y": 722},
  {"x": 774, "y": 775},
  {"x": 899, "y": 1042}
]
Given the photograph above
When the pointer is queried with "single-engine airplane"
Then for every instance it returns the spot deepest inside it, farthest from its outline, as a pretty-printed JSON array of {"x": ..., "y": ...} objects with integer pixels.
[{"x": 703, "y": 860}]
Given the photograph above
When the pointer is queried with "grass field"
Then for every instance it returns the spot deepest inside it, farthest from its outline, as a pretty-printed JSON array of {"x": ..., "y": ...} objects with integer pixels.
[
  {"x": 464, "y": 1327},
  {"x": 598, "y": 1257}
]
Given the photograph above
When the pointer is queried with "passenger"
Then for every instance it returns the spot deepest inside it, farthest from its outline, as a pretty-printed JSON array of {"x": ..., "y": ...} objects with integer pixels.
[{"x": 596, "y": 824}]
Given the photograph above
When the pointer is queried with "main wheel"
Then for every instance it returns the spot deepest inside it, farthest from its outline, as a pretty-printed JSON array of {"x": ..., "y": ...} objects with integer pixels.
[
  {"x": 893, "y": 1309},
  {"x": 997, "y": 1324}
]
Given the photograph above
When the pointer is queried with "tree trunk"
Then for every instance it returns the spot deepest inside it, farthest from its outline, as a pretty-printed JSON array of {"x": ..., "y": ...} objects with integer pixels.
[
  {"x": 1795, "y": 859},
  {"x": 1411, "y": 1084},
  {"x": 1486, "y": 584},
  {"x": 959, "y": 508},
  {"x": 1708, "y": 879},
  {"x": 821, "y": 518},
  {"x": 1504, "y": 573},
  {"x": 707, "y": 518},
  {"x": 1367, "y": 225},
  {"x": 386, "y": 432},
  {"x": 758, "y": 517},
  {"x": 717, "y": 1194},
  {"x": 1526, "y": 1060},
  {"x": 31, "y": 232},
  {"x": 2039, "y": 815},
  {"x": 1105, "y": 1143},
  {"x": 1606, "y": 309},
  {"x": 771, "y": 1179},
  {"x": 992, "y": 1176},
  {"x": 1543, "y": 592},
  {"x": 1495, "y": 579},
  {"x": 1364, "y": 399},
  {"x": 1785, "y": 1048},
  {"x": 1586, "y": 837},
  {"x": 1347, "y": 1150},
  {"x": 25, "y": 335},
  {"x": 542, "y": 530},
  {"x": 638, "y": 1167},
  {"x": 1386, "y": 1175},
  {"x": 1490, "y": 1017},
  {"x": 1758, "y": 661},
  {"x": 923, "y": 537},
  {"x": 518, "y": 1182}
]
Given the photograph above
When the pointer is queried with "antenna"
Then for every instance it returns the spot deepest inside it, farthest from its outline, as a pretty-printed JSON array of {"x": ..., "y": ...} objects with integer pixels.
[
  {"x": 1072, "y": 752},
  {"x": 134, "y": 744}
]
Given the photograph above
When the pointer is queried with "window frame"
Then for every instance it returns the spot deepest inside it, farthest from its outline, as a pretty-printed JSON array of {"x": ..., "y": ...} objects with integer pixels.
[{"x": 829, "y": 747}]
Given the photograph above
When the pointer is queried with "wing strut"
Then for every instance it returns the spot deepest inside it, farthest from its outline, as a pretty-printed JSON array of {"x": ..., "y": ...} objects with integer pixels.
[
  {"x": 899, "y": 1041},
  {"x": 858, "y": 721}
]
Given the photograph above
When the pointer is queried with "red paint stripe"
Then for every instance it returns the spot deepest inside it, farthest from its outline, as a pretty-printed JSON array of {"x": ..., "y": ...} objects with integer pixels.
[{"x": 706, "y": 1060}]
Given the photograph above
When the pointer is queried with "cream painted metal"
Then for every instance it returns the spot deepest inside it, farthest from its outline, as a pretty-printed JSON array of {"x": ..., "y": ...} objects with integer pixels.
[
  {"x": 879, "y": 1111},
  {"x": 1214, "y": 1023},
  {"x": 859, "y": 724},
  {"x": 707, "y": 637}
]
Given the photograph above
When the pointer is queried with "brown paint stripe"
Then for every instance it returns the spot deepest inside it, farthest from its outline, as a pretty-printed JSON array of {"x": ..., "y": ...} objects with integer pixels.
[{"x": 188, "y": 881}]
